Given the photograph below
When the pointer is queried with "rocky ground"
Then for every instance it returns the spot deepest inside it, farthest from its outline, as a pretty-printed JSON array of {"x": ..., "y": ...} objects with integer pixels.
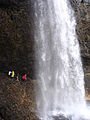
[{"x": 16, "y": 99}]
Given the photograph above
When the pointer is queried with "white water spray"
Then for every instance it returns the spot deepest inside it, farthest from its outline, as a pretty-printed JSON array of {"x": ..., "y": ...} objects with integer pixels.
[{"x": 60, "y": 74}]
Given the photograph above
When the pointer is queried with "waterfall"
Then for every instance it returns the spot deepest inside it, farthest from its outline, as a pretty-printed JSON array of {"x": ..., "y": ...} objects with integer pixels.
[{"x": 59, "y": 69}]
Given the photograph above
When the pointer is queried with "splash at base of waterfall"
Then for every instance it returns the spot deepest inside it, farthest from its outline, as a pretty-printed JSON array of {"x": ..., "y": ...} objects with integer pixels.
[{"x": 75, "y": 114}]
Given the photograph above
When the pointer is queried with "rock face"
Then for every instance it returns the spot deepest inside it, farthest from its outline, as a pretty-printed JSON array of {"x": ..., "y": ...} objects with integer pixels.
[
  {"x": 16, "y": 37},
  {"x": 8, "y": 2}
]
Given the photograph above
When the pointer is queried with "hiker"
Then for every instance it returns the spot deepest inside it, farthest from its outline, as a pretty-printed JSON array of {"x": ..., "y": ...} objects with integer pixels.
[
  {"x": 9, "y": 73},
  {"x": 13, "y": 74},
  {"x": 24, "y": 77},
  {"x": 17, "y": 77}
]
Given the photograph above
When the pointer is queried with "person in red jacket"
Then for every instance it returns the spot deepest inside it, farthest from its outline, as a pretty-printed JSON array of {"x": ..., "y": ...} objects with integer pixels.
[{"x": 24, "y": 77}]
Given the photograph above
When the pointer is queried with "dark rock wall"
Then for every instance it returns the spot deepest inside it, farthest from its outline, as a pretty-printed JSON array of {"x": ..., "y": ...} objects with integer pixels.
[{"x": 16, "y": 36}]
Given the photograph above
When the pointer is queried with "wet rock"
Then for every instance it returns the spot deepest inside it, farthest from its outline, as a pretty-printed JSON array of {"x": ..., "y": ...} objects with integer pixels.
[{"x": 60, "y": 117}]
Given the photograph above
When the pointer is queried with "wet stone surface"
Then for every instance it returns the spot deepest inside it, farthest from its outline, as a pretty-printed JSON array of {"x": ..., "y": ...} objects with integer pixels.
[
  {"x": 64, "y": 118},
  {"x": 61, "y": 117}
]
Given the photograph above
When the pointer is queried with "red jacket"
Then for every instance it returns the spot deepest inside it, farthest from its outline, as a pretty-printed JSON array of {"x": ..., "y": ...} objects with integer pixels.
[{"x": 24, "y": 77}]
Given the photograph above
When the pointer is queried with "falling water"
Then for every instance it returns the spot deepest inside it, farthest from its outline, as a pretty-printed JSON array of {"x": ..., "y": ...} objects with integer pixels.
[{"x": 60, "y": 74}]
